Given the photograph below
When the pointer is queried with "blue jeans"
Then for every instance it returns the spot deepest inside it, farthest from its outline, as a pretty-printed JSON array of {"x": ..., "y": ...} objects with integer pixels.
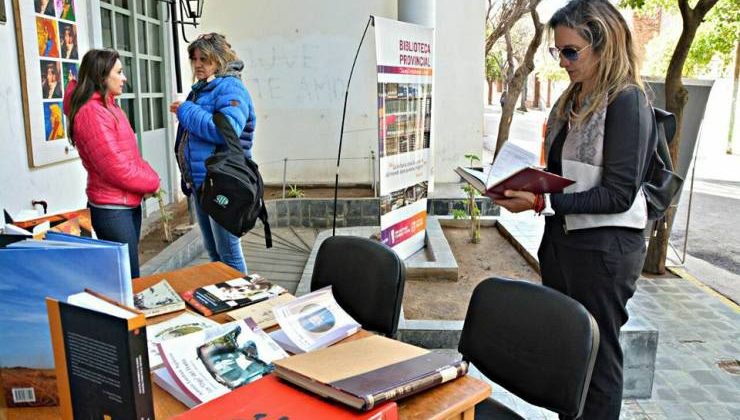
[
  {"x": 122, "y": 226},
  {"x": 221, "y": 244}
]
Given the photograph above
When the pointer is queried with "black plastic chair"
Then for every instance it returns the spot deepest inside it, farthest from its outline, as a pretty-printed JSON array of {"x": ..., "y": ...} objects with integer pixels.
[
  {"x": 367, "y": 280},
  {"x": 532, "y": 340}
]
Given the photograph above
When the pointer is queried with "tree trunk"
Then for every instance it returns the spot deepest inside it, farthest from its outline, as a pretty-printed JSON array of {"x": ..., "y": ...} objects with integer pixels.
[
  {"x": 517, "y": 81},
  {"x": 676, "y": 97},
  {"x": 523, "y": 99},
  {"x": 490, "y": 92},
  {"x": 733, "y": 106},
  {"x": 510, "y": 12}
]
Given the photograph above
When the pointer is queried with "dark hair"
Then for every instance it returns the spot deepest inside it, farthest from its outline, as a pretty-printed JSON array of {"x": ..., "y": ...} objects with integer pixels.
[{"x": 94, "y": 69}]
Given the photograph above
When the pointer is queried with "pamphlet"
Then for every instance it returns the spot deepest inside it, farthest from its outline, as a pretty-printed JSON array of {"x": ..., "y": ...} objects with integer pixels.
[
  {"x": 312, "y": 321},
  {"x": 181, "y": 325},
  {"x": 210, "y": 363},
  {"x": 158, "y": 299}
]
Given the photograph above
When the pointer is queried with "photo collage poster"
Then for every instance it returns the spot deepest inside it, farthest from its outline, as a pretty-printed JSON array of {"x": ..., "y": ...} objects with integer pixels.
[
  {"x": 53, "y": 39},
  {"x": 56, "y": 35},
  {"x": 404, "y": 62}
]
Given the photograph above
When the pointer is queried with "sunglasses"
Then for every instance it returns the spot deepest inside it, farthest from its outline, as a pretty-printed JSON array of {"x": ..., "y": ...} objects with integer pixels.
[{"x": 568, "y": 53}]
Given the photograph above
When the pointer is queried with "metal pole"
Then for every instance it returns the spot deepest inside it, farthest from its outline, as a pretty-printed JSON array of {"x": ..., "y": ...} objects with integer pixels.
[
  {"x": 341, "y": 128},
  {"x": 372, "y": 162},
  {"x": 285, "y": 173}
]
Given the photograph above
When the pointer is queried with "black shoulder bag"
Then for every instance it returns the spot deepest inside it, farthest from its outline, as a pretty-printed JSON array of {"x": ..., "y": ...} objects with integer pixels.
[
  {"x": 661, "y": 184},
  {"x": 232, "y": 192}
]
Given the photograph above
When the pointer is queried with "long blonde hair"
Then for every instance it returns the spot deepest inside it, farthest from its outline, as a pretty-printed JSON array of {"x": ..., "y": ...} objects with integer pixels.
[
  {"x": 600, "y": 23},
  {"x": 215, "y": 49}
]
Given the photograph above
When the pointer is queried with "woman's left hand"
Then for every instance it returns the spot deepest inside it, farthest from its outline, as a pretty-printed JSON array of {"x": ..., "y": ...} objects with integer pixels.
[{"x": 516, "y": 201}]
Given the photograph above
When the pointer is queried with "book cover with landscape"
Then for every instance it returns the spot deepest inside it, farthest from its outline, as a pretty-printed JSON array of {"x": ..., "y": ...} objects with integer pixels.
[{"x": 31, "y": 271}]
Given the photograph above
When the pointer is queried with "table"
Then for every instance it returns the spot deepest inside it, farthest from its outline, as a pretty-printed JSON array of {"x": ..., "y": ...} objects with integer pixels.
[{"x": 453, "y": 400}]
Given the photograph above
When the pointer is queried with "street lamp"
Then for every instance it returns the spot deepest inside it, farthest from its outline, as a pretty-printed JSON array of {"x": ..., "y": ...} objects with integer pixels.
[{"x": 190, "y": 12}]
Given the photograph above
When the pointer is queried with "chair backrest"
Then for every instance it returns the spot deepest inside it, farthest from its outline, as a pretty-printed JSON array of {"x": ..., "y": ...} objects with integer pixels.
[
  {"x": 367, "y": 279},
  {"x": 534, "y": 341}
]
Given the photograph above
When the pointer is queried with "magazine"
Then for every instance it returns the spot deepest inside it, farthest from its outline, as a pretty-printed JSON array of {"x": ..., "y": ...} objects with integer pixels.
[
  {"x": 231, "y": 294},
  {"x": 210, "y": 363},
  {"x": 158, "y": 299},
  {"x": 181, "y": 325},
  {"x": 312, "y": 321}
]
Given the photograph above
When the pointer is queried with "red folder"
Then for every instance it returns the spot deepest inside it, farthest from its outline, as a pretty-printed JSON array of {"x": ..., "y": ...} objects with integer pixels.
[{"x": 269, "y": 398}]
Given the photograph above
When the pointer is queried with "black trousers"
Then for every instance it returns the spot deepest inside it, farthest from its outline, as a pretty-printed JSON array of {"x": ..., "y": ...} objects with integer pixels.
[{"x": 603, "y": 282}]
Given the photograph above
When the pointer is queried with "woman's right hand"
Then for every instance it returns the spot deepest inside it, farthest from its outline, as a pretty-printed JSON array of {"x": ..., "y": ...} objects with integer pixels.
[{"x": 174, "y": 106}]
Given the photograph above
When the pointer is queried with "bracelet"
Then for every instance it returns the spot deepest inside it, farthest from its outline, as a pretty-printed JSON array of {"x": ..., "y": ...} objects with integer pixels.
[{"x": 539, "y": 203}]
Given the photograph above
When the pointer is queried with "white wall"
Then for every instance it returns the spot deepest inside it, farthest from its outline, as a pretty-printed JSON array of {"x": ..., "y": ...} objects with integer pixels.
[
  {"x": 459, "y": 74},
  {"x": 298, "y": 56},
  {"x": 61, "y": 185}
]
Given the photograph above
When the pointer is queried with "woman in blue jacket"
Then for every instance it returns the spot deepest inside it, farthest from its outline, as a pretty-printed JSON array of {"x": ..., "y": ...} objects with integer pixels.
[{"x": 218, "y": 89}]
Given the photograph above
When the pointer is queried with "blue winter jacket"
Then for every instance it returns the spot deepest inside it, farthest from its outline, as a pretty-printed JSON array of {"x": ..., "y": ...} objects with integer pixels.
[{"x": 225, "y": 94}]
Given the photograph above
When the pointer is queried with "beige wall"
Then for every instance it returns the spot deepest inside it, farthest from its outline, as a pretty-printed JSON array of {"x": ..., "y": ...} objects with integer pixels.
[{"x": 298, "y": 57}]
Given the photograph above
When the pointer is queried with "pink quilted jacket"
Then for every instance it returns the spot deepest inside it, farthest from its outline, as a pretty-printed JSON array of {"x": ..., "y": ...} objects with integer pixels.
[{"x": 116, "y": 172}]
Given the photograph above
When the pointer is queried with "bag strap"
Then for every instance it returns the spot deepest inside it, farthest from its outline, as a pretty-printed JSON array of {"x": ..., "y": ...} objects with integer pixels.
[
  {"x": 227, "y": 132},
  {"x": 268, "y": 234},
  {"x": 667, "y": 121}
]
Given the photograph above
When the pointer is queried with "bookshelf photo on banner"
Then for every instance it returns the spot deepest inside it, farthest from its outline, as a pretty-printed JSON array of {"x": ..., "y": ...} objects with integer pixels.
[
  {"x": 404, "y": 60},
  {"x": 51, "y": 43}
]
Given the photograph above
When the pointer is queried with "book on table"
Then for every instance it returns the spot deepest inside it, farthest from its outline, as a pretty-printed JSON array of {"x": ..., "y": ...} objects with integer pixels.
[
  {"x": 31, "y": 270},
  {"x": 513, "y": 169},
  {"x": 183, "y": 324},
  {"x": 204, "y": 365},
  {"x": 231, "y": 294},
  {"x": 261, "y": 312},
  {"x": 270, "y": 398},
  {"x": 369, "y": 371},
  {"x": 100, "y": 354},
  {"x": 158, "y": 299},
  {"x": 312, "y": 321}
]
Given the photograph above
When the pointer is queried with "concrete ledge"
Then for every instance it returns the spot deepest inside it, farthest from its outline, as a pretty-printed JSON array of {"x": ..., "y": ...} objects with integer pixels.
[
  {"x": 304, "y": 285},
  {"x": 436, "y": 260},
  {"x": 640, "y": 346},
  {"x": 177, "y": 255}
]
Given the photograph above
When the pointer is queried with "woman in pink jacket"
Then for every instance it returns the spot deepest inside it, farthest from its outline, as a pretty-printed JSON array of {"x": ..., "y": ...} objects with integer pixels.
[{"x": 117, "y": 177}]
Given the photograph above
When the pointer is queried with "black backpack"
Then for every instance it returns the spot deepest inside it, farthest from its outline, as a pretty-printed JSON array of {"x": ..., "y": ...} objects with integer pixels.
[
  {"x": 661, "y": 185},
  {"x": 232, "y": 192}
]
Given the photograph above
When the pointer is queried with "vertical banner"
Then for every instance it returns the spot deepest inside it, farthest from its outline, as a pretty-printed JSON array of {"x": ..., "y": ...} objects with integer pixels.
[{"x": 404, "y": 56}]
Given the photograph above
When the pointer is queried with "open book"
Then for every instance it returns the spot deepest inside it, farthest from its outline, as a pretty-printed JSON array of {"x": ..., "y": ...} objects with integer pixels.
[
  {"x": 311, "y": 322},
  {"x": 513, "y": 169},
  {"x": 204, "y": 365}
]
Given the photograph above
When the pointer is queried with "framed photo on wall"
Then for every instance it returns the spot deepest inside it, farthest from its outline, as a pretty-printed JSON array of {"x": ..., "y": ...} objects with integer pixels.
[{"x": 51, "y": 42}]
